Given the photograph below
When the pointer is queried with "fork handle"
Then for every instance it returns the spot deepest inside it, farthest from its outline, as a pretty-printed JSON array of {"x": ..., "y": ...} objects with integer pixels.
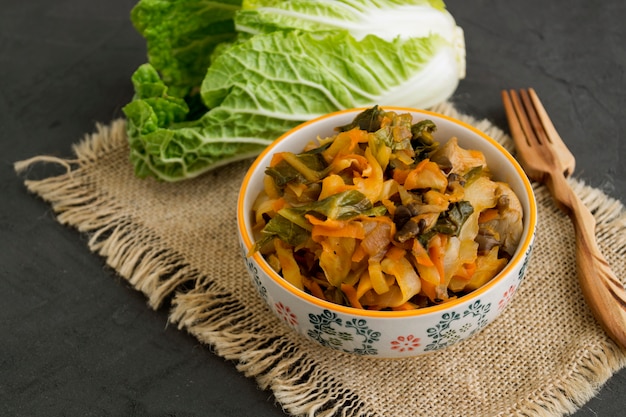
[{"x": 603, "y": 292}]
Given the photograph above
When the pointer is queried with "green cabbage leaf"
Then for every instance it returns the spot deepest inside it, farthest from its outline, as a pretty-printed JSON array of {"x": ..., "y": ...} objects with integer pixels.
[
  {"x": 181, "y": 35},
  {"x": 291, "y": 61}
]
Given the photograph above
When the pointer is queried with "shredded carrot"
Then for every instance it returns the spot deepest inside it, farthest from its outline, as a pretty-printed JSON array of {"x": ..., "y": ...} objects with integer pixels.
[
  {"x": 278, "y": 204},
  {"x": 399, "y": 175},
  {"x": 437, "y": 251},
  {"x": 336, "y": 228},
  {"x": 277, "y": 158},
  {"x": 428, "y": 289},
  {"x": 487, "y": 215},
  {"x": 390, "y": 206},
  {"x": 314, "y": 287},
  {"x": 350, "y": 292},
  {"x": 421, "y": 255},
  {"x": 395, "y": 253},
  {"x": 359, "y": 254},
  {"x": 470, "y": 268},
  {"x": 350, "y": 229},
  {"x": 410, "y": 181},
  {"x": 385, "y": 121}
]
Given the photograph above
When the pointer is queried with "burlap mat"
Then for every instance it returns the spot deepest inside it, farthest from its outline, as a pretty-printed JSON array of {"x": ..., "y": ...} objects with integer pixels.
[{"x": 177, "y": 243}]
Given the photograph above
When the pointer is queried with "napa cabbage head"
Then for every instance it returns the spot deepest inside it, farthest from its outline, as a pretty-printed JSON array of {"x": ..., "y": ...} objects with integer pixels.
[
  {"x": 387, "y": 19},
  {"x": 292, "y": 61}
]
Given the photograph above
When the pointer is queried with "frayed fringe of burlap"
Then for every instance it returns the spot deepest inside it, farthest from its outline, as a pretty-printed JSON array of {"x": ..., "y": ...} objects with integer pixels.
[
  {"x": 277, "y": 363},
  {"x": 569, "y": 392},
  {"x": 133, "y": 251},
  {"x": 217, "y": 318}
]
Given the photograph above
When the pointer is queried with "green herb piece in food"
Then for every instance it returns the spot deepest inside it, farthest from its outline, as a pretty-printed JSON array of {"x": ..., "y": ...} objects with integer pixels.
[
  {"x": 292, "y": 227},
  {"x": 423, "y": 130},
  {"x": 303, "y": 168},
  {"x": 449, "y": 222},
  {"x": 283, "y": 229},
  {"x": 422, "y": 139},
  {"x": 368, "y": 120},
  {"x": 473, "y": 174},
  {"x": 341, "y": 206}
]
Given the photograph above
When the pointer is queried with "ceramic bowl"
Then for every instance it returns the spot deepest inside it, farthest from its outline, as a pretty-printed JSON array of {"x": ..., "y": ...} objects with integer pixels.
[{"x": 388, "y": 334}]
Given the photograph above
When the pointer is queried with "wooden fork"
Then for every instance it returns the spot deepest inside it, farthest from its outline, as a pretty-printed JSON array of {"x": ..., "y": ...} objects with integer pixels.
[{"x": 546, "y": 159}]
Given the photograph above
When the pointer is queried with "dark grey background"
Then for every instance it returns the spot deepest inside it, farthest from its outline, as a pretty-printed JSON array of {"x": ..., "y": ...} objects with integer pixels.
[{"x": 76, "y": 340}]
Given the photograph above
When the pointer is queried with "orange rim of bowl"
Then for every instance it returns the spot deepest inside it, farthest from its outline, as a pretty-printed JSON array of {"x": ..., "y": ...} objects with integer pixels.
[{"x": 520, "y": 253}]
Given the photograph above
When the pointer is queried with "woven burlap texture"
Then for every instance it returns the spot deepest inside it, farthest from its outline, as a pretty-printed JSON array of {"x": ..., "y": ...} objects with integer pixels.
[{"x": 177, "y": 243}]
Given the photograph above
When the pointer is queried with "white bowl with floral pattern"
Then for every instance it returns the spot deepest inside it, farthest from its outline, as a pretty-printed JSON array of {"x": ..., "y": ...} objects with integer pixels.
[{"x": 388, "y": 334}]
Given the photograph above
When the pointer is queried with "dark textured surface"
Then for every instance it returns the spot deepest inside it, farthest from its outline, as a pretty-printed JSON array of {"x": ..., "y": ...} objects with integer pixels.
[{"x": 76, "y": 340}]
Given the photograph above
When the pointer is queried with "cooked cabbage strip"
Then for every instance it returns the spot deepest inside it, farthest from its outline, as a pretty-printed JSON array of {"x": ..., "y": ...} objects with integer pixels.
[
  {"x": 332, "y": 259},
  {"x": 290, "y": 268}
]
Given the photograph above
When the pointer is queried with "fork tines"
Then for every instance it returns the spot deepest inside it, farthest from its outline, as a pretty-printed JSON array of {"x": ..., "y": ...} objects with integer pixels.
[{"x": 528, "y": 118}]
